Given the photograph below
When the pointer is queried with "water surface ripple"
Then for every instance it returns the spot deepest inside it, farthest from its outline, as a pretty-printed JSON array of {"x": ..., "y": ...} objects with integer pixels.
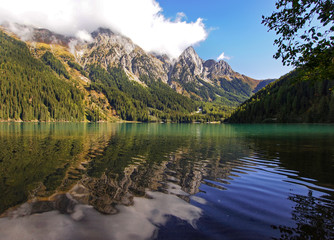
[{"x": 166, "y": 181}]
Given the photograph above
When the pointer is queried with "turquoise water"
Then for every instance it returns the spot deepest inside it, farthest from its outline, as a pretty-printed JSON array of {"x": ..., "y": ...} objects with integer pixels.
[{"x": 166, "y": 181}]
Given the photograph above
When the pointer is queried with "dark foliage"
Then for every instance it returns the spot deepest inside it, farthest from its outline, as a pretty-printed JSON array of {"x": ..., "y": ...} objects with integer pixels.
[
  {"x": 55, "y": 64},
  {"x": 300, "y": 96},
  {"x": 135, "y": 102},
  {"x": 77, "y": 67},
  {"x": 29, "y": 90},
  {"x": 306, "y": 30}
]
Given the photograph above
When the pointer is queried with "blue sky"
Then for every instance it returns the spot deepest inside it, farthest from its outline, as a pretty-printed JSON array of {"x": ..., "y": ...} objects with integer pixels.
[{"x": 234, "y": 28}]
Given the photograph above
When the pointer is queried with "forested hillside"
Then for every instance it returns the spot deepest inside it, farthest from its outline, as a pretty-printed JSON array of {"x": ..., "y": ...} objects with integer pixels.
[
  {"x": 135, "y": 102},
  {"x": 45, "y": 81},
  {"x": 30, "y": 90},
  {"x": 42, "y": 88},
  {"x": 150, "y": 102},
  {"x": 301, "y": 96},
  {"x": 229, "y": 93}
]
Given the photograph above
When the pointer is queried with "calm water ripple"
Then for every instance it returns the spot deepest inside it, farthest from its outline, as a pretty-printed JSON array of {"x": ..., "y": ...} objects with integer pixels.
[{"x": 166, "y": 181}]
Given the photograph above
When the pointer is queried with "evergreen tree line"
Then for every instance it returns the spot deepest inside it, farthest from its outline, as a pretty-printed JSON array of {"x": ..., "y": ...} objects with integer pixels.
[
  {"x": 154, "y": 102},
  {"x": 34, "y": 89},
  {"x": 49, "y": 59},
  {"x": 135, "y": 102},
  {"x": 30, "y": 90},
  {"x": 226, "y": 92},
  {"x": 77, "y": 67},
  {"x": 301, "y": 96}
]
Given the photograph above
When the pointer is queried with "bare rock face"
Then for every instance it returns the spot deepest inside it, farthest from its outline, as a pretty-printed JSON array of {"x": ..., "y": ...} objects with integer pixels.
[
  {"x": 215, "y": 70},
  {"x": 46, "y": 36},
  {"x": 190, "y": 76},
  {"x": 192, "y": 60},
  {"x": 189, "y": 67},
  {"x": 167, "y": 63},
  {"x": 110, "y": 49}
]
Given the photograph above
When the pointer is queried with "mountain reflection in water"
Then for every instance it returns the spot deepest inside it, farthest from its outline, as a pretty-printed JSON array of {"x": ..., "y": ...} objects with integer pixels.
[{"x": 166, "y": 181}]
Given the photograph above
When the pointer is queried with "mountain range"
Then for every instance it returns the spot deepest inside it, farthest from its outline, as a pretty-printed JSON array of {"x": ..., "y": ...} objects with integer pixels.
[{"x": 114, "y": 78}]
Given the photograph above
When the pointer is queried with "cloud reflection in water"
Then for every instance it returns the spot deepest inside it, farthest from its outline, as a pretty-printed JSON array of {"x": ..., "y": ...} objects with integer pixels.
[{"x": 139, "y": 221}]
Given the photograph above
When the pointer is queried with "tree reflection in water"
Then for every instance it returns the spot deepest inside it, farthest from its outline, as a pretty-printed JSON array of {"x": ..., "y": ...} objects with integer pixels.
[
  {"x": 313, "y": 219},
  {"x": 228, "y": 180}
]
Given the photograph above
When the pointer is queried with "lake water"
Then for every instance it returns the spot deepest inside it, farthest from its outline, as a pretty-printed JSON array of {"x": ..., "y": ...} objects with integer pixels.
[{"x": 166, "y": 181}]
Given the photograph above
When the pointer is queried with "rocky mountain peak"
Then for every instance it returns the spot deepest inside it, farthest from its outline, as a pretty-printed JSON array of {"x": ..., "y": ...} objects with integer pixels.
[
  {"x": 224, "y": 66},
  {"x": 209, "y": 63},
  {"x": 33, "y": 34},
  {"x": 46, "y": 36},
  {"x": 189, "y": 67},
  {"x": 189, "y": 51},
  {"x": 109, "y": 44},
  {"x": 102, "y": 31},
  {"x": 191, "y": 55},
  {"x": 113, "y": 49},
  {"x": 218, "y": 69},
  {"x": 194, "y": 62}
]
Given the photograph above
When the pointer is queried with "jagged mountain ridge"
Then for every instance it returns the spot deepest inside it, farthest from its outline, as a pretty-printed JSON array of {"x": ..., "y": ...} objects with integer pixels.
[
  {"x": 110, "y": 49},
  {"x": 188, "y": 75},
  {"x": 96, "y": 68},
  {"x": 206, "y": 70},
  {"x": 210, "y": 80},
  {"x": 43, "y": 82},
  {"x": 113, "y": 49}
]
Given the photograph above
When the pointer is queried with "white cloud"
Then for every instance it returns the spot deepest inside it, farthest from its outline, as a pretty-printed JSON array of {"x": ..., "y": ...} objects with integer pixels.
[
  {"x": 180, "y": 16},
  {"x": 84, "y": 36},
  {"x": 141, "y": 20},
  {"x": 223, "y": 57},
  {"x": 25, "y": 33}
]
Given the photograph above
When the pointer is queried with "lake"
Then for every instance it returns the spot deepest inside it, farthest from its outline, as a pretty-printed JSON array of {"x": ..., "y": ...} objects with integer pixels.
[{"x": 166, "y": 181}]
